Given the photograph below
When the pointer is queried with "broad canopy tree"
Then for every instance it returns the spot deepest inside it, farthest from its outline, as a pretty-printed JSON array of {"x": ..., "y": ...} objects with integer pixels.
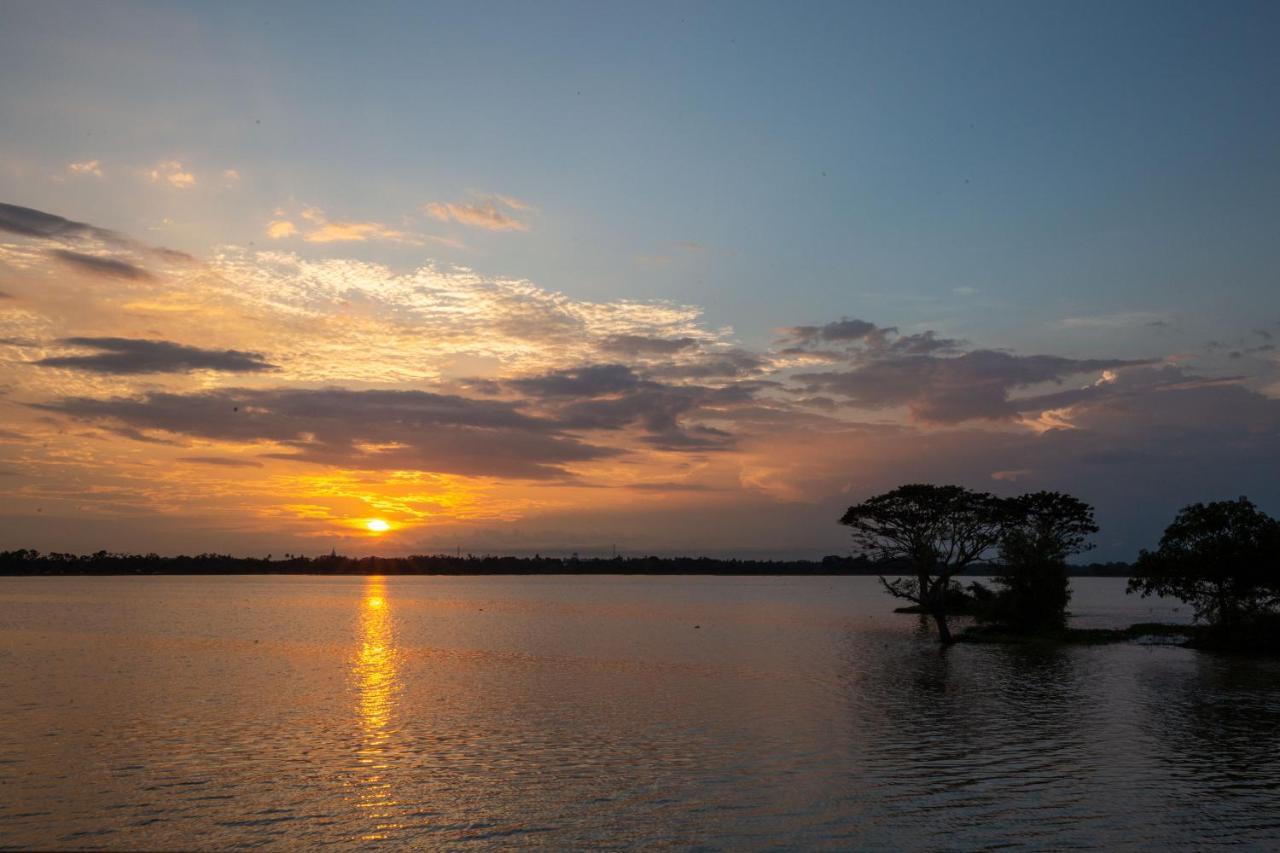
[
  {"x": 1041, "y": 531},
  {"x": 934, "y": 532},
  {"x": 1221, "y": 557}
]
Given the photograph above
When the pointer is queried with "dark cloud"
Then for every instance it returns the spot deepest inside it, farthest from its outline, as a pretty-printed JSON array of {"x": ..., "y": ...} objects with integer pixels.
[
  {"x": 844, "y": 330},
  {"x": 865, "y": 337},
  {"x": 615, "y": 397},
  {"x": 591, "y": 381},
  {"x": 383, "y": 430},
  {"x": 658, "y": 410},
  {"x": 96, "y": 265},
  {"x": 127, "y": 356},
  {"x": 639, "y": 345},
  {"x": 4, "y": 295},
  {"x": 974, "y": 386},
  {"x": 224, "y": 461},
  {"x": 29, "y": 222},
  {"x": 721, "y": 365}
]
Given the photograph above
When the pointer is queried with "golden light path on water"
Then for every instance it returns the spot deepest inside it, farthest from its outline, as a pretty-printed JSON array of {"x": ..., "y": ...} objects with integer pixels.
[{"x": 376, "y": 685}]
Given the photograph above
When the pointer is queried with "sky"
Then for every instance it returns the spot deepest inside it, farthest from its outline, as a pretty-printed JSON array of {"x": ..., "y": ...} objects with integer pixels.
[{"x": 670, "y": 278}]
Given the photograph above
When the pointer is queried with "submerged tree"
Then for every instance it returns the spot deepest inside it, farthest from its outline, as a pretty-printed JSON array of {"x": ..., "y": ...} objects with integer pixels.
[
  {"x": 935, "y": 532},
  {"x": 1223, "y": 558},
  {"x": 1041, "y": 531}
]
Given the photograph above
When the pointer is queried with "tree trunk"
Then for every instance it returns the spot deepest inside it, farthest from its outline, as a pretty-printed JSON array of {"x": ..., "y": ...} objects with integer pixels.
[{"x": 944, "y": 632}]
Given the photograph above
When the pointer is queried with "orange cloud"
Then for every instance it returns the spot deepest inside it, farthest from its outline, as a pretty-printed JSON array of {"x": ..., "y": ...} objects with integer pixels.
[
  {"x": 280, "y": 228},
  {"x": 339, "y": 231},
  {"x": 486, "y": 213}
]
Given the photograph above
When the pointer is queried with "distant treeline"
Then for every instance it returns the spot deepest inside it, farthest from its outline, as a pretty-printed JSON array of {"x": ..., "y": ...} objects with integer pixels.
[{"x": 28, "y": 562}]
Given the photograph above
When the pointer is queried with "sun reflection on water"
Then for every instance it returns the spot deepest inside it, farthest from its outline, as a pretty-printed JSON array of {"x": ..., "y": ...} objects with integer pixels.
[{"x": 377, "y": 686}]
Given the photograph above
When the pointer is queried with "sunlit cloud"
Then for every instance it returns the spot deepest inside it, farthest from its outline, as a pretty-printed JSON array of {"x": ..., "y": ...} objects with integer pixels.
[
  {"x": 171, "y": 173},
  {"x": 139, "y": 382},
  {"x": 87, "y": 167},
  {"x": 327, "y": 230},
  {"x": 281, "y": 228},
  {"x": 486, "y": 213}
]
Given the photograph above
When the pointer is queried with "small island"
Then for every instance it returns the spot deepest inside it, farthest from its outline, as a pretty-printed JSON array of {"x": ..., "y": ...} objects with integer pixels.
[{"x": 1222, "y": 558}]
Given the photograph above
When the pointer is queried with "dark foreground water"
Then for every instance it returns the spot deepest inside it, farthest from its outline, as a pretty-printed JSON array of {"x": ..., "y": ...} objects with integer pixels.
[{"x": 573, "y": 712}]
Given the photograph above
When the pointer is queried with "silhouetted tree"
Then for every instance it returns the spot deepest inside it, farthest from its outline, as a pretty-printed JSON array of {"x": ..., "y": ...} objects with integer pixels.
[
  {"x": 934, "y": 531},
  {"x": 1041, "y": 531},
  {"x": 1219, "y": 557}
]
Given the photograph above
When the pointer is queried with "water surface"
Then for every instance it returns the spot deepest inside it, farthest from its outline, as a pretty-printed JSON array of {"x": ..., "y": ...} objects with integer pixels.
[{"x": 208, "y": 713}]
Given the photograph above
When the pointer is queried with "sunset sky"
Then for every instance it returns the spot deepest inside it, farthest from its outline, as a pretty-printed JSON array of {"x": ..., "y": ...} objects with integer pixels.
[{"x": 679, "y": 278}]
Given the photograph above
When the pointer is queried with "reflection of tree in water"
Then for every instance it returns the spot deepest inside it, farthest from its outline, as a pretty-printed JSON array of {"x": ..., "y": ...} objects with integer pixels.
[
  {"x": 966, "y": 740},
  {"x": 1217, "y": 723}
]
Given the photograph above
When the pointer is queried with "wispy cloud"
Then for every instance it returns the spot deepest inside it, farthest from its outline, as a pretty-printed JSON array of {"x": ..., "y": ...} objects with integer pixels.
[
  {"x": 488, "y": 213},
  {"x": 1118, "y": 320},
  {"x": 29, "y": 222},
  {"x": 99, "y": 265},
  {"x": 327, "y": 230}
]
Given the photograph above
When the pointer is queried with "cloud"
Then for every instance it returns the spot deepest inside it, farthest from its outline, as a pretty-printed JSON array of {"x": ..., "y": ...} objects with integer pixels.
[
  {"x": 641, "y": 345},
  {"x": 839, "y": 331},
  {"x": 128, "y": 356},
  {"x": 729, "y": 364},
  {"x": 615, "y": 397},
  {"x": 486, "y": 213},
  {"x": 513, "y": 203},
  {"x": 974, "y": 386},
  {"x": 222, "y": 461},
  {"x": 97, "y": 265},
  {"x": 864, "y": 337},
  {"x": 339, "y": 231},
  {"x": 88, "y": 167},
  {"x": 670, "y": 487},
  {"x": 172, "y": 174},
  {"x": 592, "y": 381},
  {"x": 1119, "y": 320},
  {"x": 28, "y": 222},
  {"x": 374, "y": 430},
  {"x": 280, "y": 228}
]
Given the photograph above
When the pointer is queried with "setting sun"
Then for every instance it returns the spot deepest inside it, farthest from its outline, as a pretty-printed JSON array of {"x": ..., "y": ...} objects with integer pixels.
[{"x": 377, "y": 525}]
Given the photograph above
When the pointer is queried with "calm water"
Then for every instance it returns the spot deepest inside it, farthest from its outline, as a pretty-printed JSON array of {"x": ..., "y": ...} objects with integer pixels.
[{"x": 571, "y": 712}]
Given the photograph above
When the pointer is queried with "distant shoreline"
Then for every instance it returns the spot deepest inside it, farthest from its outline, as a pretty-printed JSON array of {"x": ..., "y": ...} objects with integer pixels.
[{"x": 27, "y": 563}]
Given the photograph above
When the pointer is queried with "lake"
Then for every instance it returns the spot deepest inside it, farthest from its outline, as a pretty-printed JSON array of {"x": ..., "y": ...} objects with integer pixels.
[{"x": 568, "y": 712}]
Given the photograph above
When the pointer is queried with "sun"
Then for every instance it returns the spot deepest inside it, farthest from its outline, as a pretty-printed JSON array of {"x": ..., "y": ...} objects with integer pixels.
[{"x": 377, "y": 525}]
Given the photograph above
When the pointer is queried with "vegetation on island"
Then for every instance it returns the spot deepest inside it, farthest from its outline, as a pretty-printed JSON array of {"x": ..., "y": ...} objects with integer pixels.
[
  {"x": 1222, "y": 558},
  {"x": 30, "y": 562}
]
